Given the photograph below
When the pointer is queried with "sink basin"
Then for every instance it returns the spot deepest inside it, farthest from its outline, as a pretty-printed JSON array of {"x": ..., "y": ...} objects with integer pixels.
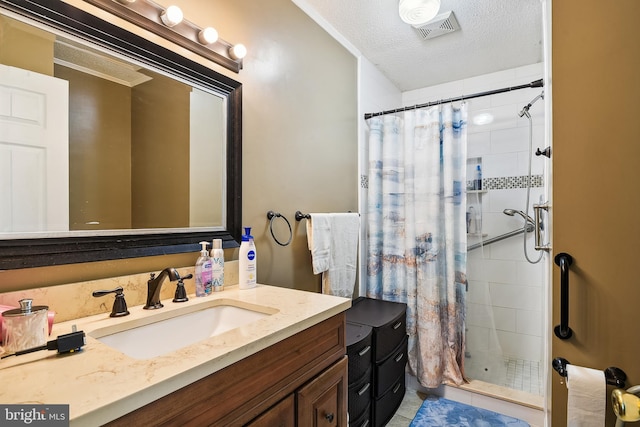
[{"x": 158, "y": 335}]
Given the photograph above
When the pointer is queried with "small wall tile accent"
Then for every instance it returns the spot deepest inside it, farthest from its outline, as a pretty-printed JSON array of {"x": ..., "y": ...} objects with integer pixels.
[
  {"x": 500, "y": 183},
  {"x": 509, "y": 182},
  {"x": 364, "y": 181}
]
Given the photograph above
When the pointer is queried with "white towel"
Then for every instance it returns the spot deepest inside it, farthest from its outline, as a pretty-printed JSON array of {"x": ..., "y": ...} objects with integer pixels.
[
  {"x": 319, "y": 241},
  {"x": 333, "y": 242}
]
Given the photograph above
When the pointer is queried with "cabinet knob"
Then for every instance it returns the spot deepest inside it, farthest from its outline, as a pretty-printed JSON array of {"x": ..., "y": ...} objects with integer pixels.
[{"x": 329, "y": 417}]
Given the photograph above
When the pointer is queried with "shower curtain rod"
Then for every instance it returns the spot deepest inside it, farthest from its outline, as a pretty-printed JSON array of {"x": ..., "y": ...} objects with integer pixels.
[{"x": 536, "y": 83}]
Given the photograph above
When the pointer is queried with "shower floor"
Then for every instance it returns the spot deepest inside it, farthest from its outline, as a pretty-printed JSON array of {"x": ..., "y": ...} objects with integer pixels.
[{"x": 517, "y": 374}]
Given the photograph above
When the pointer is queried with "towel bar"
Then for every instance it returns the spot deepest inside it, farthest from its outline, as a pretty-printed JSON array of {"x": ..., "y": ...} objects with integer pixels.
[{"x": 300, "y": 216}]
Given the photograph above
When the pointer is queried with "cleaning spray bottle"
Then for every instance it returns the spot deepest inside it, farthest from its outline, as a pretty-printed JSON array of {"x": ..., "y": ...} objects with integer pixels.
[
  {"x": 203, "y": 272},
  {"x": 217, "y": 269},
  {"x": 247, "y": 261}
]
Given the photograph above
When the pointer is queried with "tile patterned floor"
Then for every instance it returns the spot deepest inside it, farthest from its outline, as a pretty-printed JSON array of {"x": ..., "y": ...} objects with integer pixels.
[{"x": 410, "y": 404}]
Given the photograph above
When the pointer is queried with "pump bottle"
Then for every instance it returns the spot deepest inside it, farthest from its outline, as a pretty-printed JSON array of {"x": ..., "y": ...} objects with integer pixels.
[
  {"x": 247, "y": 261},
  {"x": 203, "y": 272},
  {"x": 217, "y": 266}
]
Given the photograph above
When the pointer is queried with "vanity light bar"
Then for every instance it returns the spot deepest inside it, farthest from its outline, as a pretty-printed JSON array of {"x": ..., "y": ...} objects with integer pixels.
[{"x": 159, "y": 20}]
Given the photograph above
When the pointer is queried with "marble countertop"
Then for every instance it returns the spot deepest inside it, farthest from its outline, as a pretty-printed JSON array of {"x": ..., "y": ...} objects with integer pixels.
[{"x": 100, "y": 383}]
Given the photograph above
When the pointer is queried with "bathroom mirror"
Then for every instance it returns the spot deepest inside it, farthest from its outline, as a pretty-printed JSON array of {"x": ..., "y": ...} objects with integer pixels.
[{"x": 116, "y": 197}]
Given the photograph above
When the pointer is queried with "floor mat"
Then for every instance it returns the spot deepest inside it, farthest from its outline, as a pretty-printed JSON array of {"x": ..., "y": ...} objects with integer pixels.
[{"x": 439, "y": 412}]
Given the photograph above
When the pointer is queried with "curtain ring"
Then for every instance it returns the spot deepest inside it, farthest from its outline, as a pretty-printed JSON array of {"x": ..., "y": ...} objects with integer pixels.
[{"x": 271, "y": 216}]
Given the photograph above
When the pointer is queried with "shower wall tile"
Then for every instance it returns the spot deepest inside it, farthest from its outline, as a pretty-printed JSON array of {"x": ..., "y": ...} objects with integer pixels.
[
  {"x": 509, "y": 141},
  {"x": 478, "y": 292},
  {"x": 511, "y": 249},
  {"x": 478, "y": 144},
  {"x": 516, "y": 296},
  {"x": 520, "y": 345},
  {"x": 480, "y": 315},
  {"x": 529, "y": 322},
  {"x": 504, "y": 318},
  {"x": 530, "y": 274},
  {"x": 477, "y": 104},
  {"x": 492, "y": 270},
  {"x": 500, "y": 165},
  {"x": 504, "y": 117},
  {"x": 478, "y": 338}
]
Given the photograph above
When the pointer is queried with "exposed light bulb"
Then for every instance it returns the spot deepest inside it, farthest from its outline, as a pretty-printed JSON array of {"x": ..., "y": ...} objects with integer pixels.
[
  {"x": 171, "y": 16},
  {"x": 208, "y": 36},
  {"x": 418, "y": 12},
  {"x": 238, "y": 51}
]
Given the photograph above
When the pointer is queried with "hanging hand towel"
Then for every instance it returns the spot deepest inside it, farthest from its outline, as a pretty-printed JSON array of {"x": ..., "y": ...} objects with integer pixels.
[
  {"x": 333, "y": 241},
  {"x": 319, "y": 241},
  {"x": 341, "y": 277}
]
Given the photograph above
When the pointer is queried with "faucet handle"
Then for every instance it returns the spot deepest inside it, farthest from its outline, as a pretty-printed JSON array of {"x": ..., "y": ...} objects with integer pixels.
[
  {"x": 181, "y": 293},
  {"x": 119, "y": 304}
]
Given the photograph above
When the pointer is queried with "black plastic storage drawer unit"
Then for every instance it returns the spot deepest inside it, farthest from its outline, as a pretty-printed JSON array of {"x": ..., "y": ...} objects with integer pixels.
[
  {"x": 389, "y": 352},
  {"x": 359, "y": 351}
]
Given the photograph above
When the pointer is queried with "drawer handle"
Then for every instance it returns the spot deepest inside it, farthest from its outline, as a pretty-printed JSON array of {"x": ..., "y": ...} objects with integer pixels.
[
  {"x": 329, "y": 417},
  {"x": 396, "y": 388},
  {"x": 399, "y": 357},
  {"x": 364, "y": 350},
  {"x": 397, "y": 325},
  {"x": 365, "y": 388}
]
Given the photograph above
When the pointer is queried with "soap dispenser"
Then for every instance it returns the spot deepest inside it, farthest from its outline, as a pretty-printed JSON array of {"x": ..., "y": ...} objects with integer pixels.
[
  {"x": 247, "y": 261},
  {"x": 203, "y": 272},
  {"x": 217, "y": 269}
]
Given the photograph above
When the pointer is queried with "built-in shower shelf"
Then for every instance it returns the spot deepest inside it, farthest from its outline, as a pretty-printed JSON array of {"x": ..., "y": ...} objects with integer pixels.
[
  {"x": 477, "y": 234},
  {"x": 476, "y": 191}
]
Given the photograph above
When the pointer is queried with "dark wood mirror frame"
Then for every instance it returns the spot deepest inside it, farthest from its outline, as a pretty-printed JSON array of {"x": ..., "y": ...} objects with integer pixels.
[{"x": 39, "y": 252}]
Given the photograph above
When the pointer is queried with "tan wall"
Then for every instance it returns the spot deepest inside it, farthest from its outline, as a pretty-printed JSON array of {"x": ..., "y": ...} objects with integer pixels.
[
  {"x": 99, "y": 151},
  {"x": 596, "y": 151},
  {"x": 300, "y": 138},
  {"x": 160, "y": 153},
  {"x": 17, "y": 38}
]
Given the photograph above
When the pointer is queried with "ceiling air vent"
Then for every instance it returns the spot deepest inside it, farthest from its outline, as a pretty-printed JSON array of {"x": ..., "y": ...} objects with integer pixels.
[{"x": 442, "y": 24}]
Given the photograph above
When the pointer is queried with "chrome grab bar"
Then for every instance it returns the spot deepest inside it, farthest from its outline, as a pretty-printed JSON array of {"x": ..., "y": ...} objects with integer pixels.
[
  {"x": 538, "y": 218},
  {"x": 529, "y": 229}
]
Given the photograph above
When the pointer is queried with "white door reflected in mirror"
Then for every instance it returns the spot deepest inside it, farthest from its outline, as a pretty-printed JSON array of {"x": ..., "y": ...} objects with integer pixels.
[{"x": 34, "y": 152}]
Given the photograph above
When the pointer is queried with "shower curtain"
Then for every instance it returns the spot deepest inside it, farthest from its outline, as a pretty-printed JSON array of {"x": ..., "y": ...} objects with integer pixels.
[{"x": 416, "y": 230}]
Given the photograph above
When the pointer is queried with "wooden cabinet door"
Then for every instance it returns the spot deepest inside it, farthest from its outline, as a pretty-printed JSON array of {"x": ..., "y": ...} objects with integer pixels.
[
  {"x": 283, "y": 414},
  {"x": 323, "y": 401}
]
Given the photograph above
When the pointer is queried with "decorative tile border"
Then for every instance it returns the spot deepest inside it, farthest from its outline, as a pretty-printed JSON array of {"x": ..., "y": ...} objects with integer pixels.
[
  {"x": 364, "y": 181},
  {"x": 511, "y": 182},
  {"x": 501, "y": 183}
]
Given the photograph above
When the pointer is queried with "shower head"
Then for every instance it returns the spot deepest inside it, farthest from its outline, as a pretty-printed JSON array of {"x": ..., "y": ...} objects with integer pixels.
[
  {"x": 513, "y": 212},
  {"x": 525, "y": 110}
]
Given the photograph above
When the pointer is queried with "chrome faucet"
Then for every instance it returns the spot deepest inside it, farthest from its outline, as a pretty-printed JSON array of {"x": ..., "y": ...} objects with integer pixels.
[{"x": 154, "y": 284}]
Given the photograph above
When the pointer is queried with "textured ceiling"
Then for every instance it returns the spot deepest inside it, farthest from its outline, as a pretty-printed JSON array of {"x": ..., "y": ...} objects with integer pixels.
[{"x": 495, "y": 35}]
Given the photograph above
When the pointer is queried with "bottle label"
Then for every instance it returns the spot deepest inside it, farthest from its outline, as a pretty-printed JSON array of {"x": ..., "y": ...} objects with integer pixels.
[
  {"x": 207, "y": 277},
  {"x": 251, "y": 255}
]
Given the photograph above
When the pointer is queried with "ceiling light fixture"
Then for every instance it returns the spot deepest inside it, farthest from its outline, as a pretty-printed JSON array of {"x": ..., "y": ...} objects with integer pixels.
[
  {"x": 418, "y": 12},
  {"x": 164, "y": 22}
]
